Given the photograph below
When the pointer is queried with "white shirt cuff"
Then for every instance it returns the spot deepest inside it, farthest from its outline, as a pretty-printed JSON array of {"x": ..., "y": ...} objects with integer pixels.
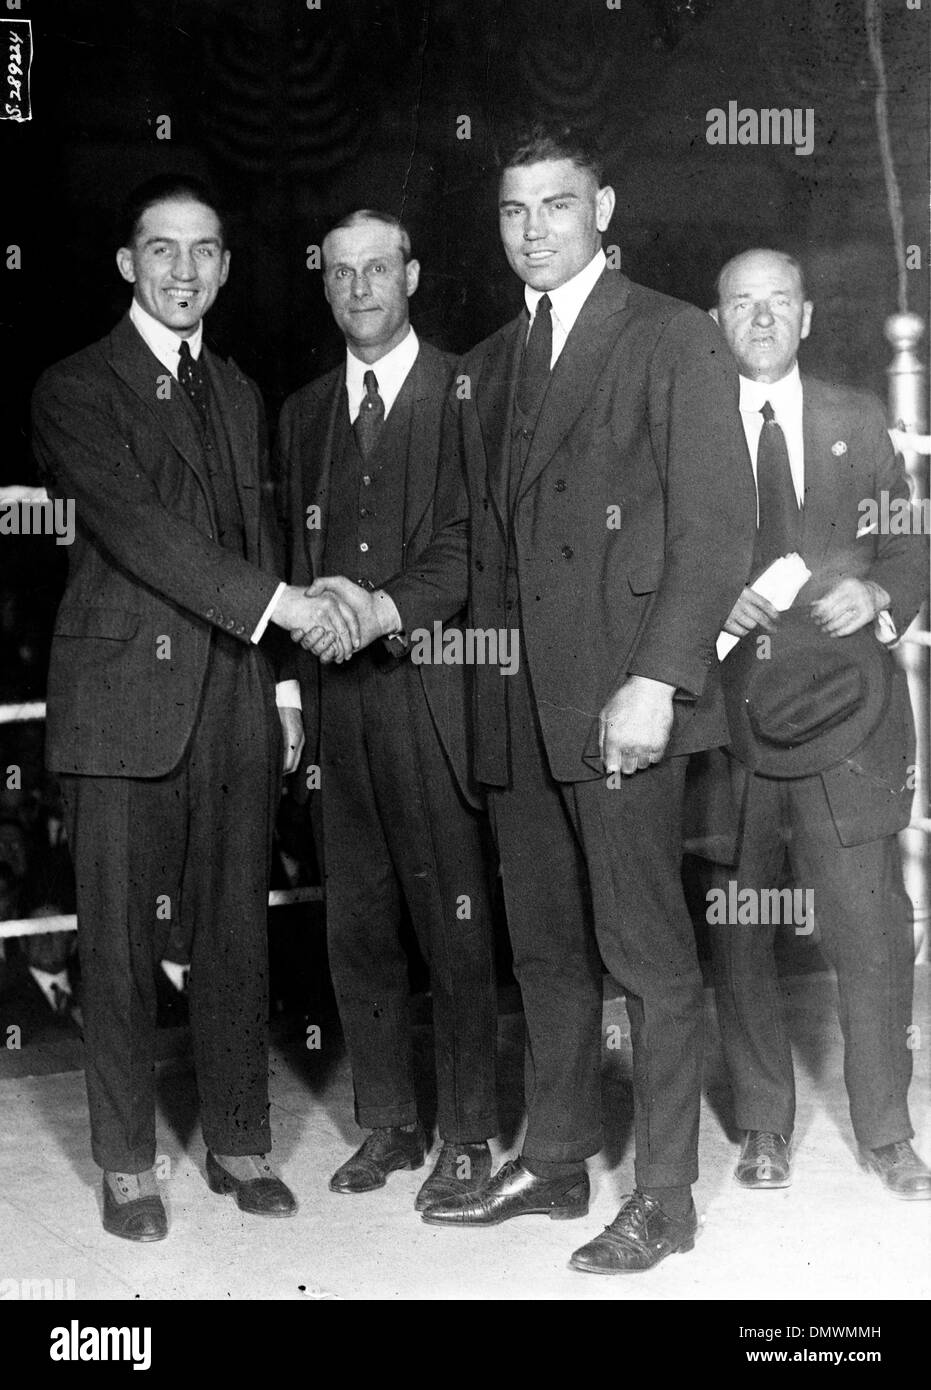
[
  {"x": 884, "y": 629},
  {"x": 266, "y": 616},
  {"x": 388, "y": 606},
  {"x": 288, "y": 695}
]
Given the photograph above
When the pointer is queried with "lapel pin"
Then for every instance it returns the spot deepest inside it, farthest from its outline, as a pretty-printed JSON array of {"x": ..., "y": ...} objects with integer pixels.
[{"x": 839, "y": 448}]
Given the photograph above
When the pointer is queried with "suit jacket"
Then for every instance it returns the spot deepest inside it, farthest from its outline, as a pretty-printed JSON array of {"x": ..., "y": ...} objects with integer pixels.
[
  {"x": 112, "y": 431},
  {"x": 305, "y": 460},
  {"x": 848, "y": 460},
  {"x": 634, "y": 519}
]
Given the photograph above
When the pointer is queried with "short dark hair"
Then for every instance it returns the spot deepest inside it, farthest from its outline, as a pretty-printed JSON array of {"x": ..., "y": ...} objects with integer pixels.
[
  {"x": 536, "y": 139},
  {"x": 162, "y": 189},
  {"x": 353, "y": 219},
  {"x": 790, "y": 260}
]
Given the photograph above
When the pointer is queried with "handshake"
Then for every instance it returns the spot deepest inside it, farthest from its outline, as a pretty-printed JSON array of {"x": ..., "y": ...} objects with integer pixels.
[{"x": 335, "y": 618}]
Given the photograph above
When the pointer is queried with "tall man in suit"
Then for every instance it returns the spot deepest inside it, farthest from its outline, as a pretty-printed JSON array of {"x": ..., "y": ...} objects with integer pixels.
[
  {"x": 161, "y": 704},
  {"x": 360, "y": 451},
  {"x": 606, "y": 513},
  {"x": 824, "y": 467}
]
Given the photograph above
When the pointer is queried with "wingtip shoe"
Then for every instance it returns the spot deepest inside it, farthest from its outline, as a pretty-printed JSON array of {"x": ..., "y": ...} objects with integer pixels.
[
  {"x": 900, "y": 1170},
  {"x": 639, "y": 1237},
  {"x": 515, "y": 1191},
  {"x": 386, "y": 1150},
  {"x": 765, "y": 1160}
]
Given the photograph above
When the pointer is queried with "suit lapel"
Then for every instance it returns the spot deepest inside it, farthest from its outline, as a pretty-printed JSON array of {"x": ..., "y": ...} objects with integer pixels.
[
  {"x": 421, "y": 458},
  {"x": 161, "y": 396},
  {"x": 237, "y": 408},
  {"x": 494, "y": 401},
  {"x": 822, "y": 491},
  {"x": 577, "y": 371},
  {"x": 316, "y": 464}
]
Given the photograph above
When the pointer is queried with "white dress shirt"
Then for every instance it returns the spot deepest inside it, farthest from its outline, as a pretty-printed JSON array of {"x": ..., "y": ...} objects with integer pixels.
[
  {"x": 566, "y": 301},
  {"x": 166, "y": 346},
  {"x": 391, "y": 372},
  {"x": 785, "y": 397}
]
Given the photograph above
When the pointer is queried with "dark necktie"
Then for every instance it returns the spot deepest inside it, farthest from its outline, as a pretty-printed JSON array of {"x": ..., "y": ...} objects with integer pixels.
[
  {"x": 192, "y": 378},
  {"x": 371, "y": 415},
  {"x": 535, "y": 363},
  {"x": 777, "y": 528}
]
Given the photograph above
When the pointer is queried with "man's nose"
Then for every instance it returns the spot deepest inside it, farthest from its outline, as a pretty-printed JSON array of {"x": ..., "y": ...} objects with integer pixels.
[
  {"x": 534, "y": 226},
  {"x": 183, "y": 267},
  {"x": 762, "y": 312},
  {"x": 360, "y": 286}
]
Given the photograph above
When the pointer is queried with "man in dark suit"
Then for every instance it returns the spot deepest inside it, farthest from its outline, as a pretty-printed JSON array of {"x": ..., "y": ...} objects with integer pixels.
[
  {"x": 161, "y": 705},
  {"x": 827, "y": 477},
  {"x": 360, "y": 451},
  {"x": 607, "y": 515}
]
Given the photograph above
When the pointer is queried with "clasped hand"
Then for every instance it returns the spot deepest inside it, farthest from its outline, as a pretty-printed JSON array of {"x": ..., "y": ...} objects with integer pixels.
[{"x": 334, "y": 617}]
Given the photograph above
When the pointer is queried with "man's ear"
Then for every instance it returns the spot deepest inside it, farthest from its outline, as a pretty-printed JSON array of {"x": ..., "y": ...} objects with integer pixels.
[
  {"x": 412, "y": 275},
  {"x": 224, "y": 267},
  {"x": 604, "y": 208},
  {"x": 807, "y": 311},
  {"x": 124, "y": 263},
  {"x": 713, "y": 313}
]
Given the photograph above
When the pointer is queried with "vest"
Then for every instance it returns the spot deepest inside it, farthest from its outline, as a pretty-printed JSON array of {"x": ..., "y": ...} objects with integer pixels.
[{"x": 365, "y": 521}]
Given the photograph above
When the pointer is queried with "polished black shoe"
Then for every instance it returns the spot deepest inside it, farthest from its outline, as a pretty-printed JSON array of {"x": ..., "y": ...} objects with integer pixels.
[
  {"x": 638, "y": 1238},
  {"x": 515, "y": 1191},
  {"x": 139, "y": 1218},
  {"x": 385, "y": 1151},
  {"x": 901, "y": 1170},
  {"x": 263, "y": 1195},
  {"x": 765, "y": 1160},
  {"x": 460, "y": 1171}
]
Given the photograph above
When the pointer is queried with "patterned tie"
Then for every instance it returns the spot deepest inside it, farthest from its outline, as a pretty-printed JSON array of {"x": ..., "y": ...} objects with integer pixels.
[
  {"x": 777, "y": 528},
  {"x": 191, "y": 377},
  {"x": 535, "y": 363},
  {"x": 371, "y": 415}
]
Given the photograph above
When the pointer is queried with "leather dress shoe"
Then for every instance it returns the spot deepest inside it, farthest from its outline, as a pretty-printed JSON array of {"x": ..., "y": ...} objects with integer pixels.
[
  {"x": 515, "y": 1191},
  {"x": 139, "y": 1218},
  {"x": 460, "y": 1170},
  {"x": 764, "y": 1160},
  {"x": 265, "y": 1195},
  {"x": 638, "y": 1238},
  {"x": 901, "y": 1171},
  {"x": 385, "y": 1151}
]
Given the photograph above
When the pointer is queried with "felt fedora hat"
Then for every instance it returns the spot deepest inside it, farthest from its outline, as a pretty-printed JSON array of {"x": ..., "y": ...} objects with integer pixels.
[{"x": 800, "y": 702}]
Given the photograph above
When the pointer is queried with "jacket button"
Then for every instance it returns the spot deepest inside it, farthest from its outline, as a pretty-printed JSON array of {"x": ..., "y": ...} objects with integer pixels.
[
  {"x": 363, "y": 546},
  {"x": 230, "y": 624},
  {"x": 479, "y": 566},
  {"x": 567, "y": 552},
  {"x": 211, "y": 613},
  {"x": 560, "y": 485},
  {"x": 366, "y": 481}
]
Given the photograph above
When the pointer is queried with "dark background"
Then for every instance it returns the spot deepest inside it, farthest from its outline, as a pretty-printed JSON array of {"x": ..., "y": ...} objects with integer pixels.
[{"x": 299, "y": 115}]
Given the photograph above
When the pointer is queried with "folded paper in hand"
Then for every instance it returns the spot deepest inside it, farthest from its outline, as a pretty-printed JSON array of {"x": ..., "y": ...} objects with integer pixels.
[{"x": 780, "y": 583}]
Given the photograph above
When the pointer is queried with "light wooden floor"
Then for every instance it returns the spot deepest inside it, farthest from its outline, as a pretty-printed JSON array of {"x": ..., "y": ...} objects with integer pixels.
[{"x": 834, "y": 1234}]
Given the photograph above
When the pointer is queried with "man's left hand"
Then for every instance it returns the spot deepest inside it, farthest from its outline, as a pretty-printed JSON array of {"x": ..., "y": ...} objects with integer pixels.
[
  {"x": 850, "y": 605},
  {"x": 635, "y": 725},
  {"x": 292, "y": 737}
]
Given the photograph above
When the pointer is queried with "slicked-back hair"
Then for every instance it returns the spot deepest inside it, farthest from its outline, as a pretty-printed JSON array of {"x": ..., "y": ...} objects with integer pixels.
[
  {"x": 165, "y": 188},
  {"x": 353, "y": 219},
  {"x": 786, "y": 256},
  {"x": 537, "y": 139}
]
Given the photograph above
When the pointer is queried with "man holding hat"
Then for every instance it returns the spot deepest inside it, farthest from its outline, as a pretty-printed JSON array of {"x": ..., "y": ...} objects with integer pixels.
[{"x": 822, "y": 738}]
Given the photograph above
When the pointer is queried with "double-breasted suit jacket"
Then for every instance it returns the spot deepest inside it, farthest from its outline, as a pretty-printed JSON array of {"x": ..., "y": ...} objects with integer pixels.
[{"x": 633, "y": 521}]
